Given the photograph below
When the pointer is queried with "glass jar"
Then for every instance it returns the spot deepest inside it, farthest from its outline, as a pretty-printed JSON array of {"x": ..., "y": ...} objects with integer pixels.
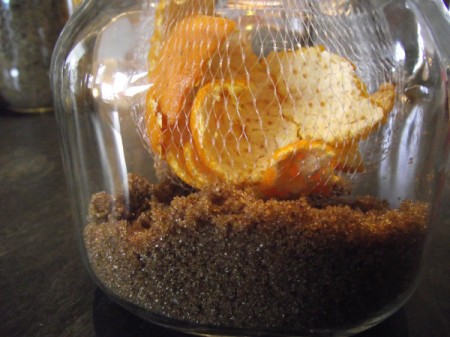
[
  {"x": 28, "y": 33},
  {"x": 255, "y": 167},
  {"x": 72, "y": 5}
]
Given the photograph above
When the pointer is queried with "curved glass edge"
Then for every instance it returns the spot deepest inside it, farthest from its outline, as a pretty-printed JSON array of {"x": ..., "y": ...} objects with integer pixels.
[
  {"x": 74, "y": 107},
  {"x": 437, "y": 18}
]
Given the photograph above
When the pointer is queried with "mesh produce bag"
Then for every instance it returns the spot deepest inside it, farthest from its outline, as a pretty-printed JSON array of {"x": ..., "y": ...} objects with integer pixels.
[{"x": 278, "y": 96}]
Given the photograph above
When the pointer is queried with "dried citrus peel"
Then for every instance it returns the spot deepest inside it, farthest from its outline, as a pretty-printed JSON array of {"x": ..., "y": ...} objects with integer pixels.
[
  {"x": 225, "y": 116},
  {"x": 325, "y": 98},
  {"x": 301, "y": 168},
  {"x": 176, "y": 160},
  {"x": 233, "y": 137},
  {"x": 200, "y": 173},
  {"x": 180, "y": 63},
  {"x": 154, "y": 125},
  {"x": 234, "y": 60},
  {"x": 167, "y": 14}
]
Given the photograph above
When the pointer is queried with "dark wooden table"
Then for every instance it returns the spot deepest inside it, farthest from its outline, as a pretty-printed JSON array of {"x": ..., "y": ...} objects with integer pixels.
[{"x": 45, "y": 291}]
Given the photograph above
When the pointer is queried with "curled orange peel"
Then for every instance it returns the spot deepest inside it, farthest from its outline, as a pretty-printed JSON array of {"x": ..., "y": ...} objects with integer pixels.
[
  {"x": 167, "y": 14},
  {"x": 325, "y": 97},
  {"x": 286, "y": 124},
  {"x": 301, "y": 168},
  {"x": 233, "y": 135},
  {"x": 180, "y": 63}
]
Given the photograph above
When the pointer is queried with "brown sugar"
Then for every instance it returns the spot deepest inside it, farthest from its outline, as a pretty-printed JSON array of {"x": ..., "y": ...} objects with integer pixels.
[{"x": 224, "y": 257}]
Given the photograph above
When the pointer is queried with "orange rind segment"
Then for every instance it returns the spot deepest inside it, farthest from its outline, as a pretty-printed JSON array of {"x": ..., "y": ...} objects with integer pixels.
[
  {"x": 201, "y": 174},
  {"x": 154, "y": 125},
  {"x": 235, "y": 60},
  {"x": 180, "y": 64},
  {"x": 167, "y": 14},
  {"x": 232, "y": 135},
  {"x": 161, "y": 135},
  {"x": 324, "y": 96},
  {"x": 301, "y": 168},
  {"x": 384, "y": 97},
  {"x": 175, "y": 158},
  {"x": 285, "y": 124}
]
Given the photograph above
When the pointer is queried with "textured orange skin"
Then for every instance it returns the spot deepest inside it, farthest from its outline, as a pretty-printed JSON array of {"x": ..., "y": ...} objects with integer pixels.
[{"x": 180, "y": 62}]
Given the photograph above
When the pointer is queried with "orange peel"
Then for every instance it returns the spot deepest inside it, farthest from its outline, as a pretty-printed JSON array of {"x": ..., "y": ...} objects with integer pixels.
[
  {"x": 167, "y": 14},
  {"x": 384, "y": 97},
  {"x": 176, "y": 160},
  {"x": 286, "y": 125},
  {"x": 233, "y": 137},
  {"x": 154, "y": 125},
  {"x": 234, "y": 60},
  {"x": 325, "y": 97},
  {"x": 180, "y": 64},
  {"x": 200, "y": 173},
  {"x": 301, "y": 168}
]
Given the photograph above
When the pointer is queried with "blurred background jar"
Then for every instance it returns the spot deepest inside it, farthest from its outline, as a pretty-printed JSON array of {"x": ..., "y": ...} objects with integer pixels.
[{"x": 28, "y": 33}]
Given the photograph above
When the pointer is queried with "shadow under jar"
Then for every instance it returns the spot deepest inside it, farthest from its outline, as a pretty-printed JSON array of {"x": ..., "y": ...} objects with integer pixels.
[
  {"x": 28, "y": 33},
  {"x": 244, "y": 168}
]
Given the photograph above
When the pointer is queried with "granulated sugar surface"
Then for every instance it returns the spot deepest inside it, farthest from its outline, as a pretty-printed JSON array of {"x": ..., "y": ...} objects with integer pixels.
[{"x": 224, "y": 257}]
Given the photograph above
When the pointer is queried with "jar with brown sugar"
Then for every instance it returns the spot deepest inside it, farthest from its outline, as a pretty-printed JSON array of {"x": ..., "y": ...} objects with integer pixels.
[{"x": 243, "y": 168}]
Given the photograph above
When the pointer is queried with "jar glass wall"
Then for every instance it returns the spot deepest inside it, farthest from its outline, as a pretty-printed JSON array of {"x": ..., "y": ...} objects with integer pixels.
[{"x": 253, "y": 167}]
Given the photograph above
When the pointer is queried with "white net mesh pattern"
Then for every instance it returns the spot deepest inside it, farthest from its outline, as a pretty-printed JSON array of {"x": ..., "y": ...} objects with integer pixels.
[{"x": 276, "y": 95}]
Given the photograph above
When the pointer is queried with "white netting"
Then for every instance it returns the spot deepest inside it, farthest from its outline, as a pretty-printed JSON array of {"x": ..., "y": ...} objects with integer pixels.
[{"x": 276, "y": 95}]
